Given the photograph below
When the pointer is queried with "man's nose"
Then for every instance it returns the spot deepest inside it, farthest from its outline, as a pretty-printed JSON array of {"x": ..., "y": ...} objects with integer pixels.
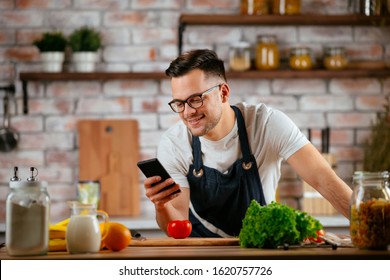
[{"x": 188, "y": 110}]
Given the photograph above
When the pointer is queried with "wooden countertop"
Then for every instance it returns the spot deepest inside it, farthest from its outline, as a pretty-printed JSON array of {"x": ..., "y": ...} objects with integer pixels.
[{"x": 219, "y": 251}]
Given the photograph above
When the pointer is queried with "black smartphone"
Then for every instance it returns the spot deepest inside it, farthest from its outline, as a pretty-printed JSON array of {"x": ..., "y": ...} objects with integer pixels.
[{"x": 153, "y": 167}]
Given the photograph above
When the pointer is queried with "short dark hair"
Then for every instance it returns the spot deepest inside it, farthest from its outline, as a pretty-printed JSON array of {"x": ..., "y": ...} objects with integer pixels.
[{"x": 203, "y": 59}]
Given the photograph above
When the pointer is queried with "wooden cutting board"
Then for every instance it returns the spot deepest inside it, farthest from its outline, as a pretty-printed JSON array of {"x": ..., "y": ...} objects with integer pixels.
[
  {"x": 109, "y": 152},
  {"x": 190, "y": 241}
]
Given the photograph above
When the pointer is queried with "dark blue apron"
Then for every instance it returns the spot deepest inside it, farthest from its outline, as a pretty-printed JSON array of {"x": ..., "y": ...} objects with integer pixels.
[{"x": 223, "y": 198}]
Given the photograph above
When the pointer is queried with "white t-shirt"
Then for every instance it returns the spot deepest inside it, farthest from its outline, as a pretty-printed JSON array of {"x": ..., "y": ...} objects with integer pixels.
[{"x": 271, "y": 134}]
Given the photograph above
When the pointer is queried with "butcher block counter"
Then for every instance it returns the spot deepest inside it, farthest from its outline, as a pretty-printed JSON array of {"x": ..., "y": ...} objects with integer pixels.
[{"x": 211, "y": 248}]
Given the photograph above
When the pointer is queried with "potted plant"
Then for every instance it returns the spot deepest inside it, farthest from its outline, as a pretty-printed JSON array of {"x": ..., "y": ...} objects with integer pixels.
[
  {"x": 84, "y": 43},
  {"x": 52, "y": 50},
  {"x": 377, "y": 147}
]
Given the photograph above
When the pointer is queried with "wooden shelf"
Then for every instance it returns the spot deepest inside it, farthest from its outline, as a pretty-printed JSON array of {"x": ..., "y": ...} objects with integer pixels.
[
  {"x": 311, "y": 19},
  {"x": 25, "y": 77}
]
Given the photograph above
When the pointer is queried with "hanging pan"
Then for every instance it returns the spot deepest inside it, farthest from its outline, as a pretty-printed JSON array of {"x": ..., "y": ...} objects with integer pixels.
[{"x": 9, "y": 137}]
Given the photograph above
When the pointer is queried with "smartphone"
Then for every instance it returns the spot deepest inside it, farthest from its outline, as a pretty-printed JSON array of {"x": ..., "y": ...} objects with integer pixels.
[{"x": 153, "y": 167}]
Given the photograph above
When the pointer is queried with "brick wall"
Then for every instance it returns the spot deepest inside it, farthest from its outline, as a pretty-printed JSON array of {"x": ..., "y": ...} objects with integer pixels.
[{"x": 141, "y": 35}]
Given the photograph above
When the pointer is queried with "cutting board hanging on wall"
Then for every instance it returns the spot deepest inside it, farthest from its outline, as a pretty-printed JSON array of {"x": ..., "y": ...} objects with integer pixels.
[{"x": 109, "y": 152}]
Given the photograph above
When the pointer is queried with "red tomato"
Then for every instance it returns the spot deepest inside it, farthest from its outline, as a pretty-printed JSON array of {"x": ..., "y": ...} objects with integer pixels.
[
  {"x": 179, "y": 229},
  {"x": 317, "y": 239}
]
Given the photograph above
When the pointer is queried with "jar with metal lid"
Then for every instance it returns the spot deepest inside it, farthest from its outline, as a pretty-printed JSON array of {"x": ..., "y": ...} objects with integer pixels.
[
  {"x": 254, "y": 7},
  {"x": 335, "y": 58},
  {"x": 370, "y": 210},
  {"x": 267, "y": 53},
  {"x": 300, "y": 58},
  {"x": 27, "y": 216},
  {"x": 286, "y": 7},
  {"x": 240, "y": 56}
]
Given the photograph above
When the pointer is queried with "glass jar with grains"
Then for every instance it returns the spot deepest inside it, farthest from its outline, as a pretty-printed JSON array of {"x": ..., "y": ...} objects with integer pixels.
[
  {"x": 335, "y": 58},
  {"x": 254, "y": 7},
  {"x": 300, "y": 58},
  {"x": 370, "y": 210},
  {"x": 267, "y": 53},
  {"x": 240, "y": 56},
  {"x": 286, "y": 7}
]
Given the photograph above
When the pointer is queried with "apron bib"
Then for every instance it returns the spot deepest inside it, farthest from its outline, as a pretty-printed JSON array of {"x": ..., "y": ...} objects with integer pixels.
[{"x": 219, "y": 200}]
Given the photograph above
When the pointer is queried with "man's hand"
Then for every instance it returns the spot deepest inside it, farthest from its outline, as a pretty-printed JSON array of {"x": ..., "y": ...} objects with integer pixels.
[{"x": 154, "y": 190}]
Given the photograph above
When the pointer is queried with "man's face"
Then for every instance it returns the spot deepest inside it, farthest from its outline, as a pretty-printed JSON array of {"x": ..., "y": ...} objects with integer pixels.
[{"x": 200, "y": 121}]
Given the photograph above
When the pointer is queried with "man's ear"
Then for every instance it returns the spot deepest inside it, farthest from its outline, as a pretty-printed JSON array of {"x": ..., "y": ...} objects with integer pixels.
[{"x": 225, "y": 92}]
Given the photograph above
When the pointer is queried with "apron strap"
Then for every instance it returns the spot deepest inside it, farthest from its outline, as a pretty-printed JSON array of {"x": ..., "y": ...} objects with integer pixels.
[{"x": 244, "y": 143}]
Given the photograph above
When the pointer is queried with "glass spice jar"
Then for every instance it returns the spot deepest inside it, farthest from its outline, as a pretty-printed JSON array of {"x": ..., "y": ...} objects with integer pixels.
[
  {"x": 370, "y": 210},
  {"x": 254, "y": 7},
  {"x": 300, "y": 58},
  {"x": 286, "y": 7},
  {"x": 335, "y": 58},
  {"x": 267, "y": 53},
  {"x": 240, "y": 56}
]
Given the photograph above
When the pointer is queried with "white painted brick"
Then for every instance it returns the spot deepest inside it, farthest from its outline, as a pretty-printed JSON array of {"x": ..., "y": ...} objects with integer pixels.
[
  {"x": 21, "y": 158},
  {"x": 103, "y": 106},
  {"x": 249, "y": 87},
  {"x": 350, "y": 120},
  {"x": 146, "y": 5},
  {"x": 72, "y": 19},
  {"x": 150, "y": 66},
  {"x": 307, "y": 120},
  {"x": 354, "y": 86},
  {"x": 62, "y": 123},
  {"x": 126, "y": 54},
  {"x": 284, "y": 34},
  {"x": 167, "y": 120},
  {"x": 159, "y": 36},
  {"x": 287, "y": 103},
  {"x": 325, "y": 34},
  {"x": 34, "y": 141},
  {"x": 115, "y": 36},
  {"x": 13, "y": 19},
  {"x": 147, "y": 121},
  {"x": 24, "y": 123},
  {"x": 134, "y": 19},
  {"x": 299, "y": 86},
  {"x": 213, "y": 34},
  {"x": 131, "y": 88},
  {"x": 62, "y": 157},
  {"x": 73, "y": 89},
  {"x": 101, "y": 5},
  {"x": 326, "y": 103},
  {"x": 51, "y": 106},
  {"x": 372, "y": 34},
  {"x": 150, "y": 140},
  {"x": 370, "y": 103}
]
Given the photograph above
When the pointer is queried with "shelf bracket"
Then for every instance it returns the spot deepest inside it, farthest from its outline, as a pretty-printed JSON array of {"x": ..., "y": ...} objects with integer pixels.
[
  {"x": 182, "y": 27},
  {"x": 25, "y": 97}
]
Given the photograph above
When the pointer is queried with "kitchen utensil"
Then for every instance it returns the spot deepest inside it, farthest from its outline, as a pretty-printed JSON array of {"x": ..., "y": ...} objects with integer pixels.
[
  {"x": 109, "y": 152},
  {"x": 9, "y": 137}
]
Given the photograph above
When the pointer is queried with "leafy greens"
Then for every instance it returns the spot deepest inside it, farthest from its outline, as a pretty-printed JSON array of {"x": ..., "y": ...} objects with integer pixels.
[{"x": 276, "y": 224}]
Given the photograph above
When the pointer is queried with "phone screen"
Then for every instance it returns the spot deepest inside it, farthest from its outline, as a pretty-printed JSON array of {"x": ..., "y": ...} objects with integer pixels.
[{"x": 153, "y": 167}]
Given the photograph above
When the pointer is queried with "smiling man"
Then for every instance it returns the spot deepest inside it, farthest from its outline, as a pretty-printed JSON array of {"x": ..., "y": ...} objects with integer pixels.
[{"x": 224, "y": 156}]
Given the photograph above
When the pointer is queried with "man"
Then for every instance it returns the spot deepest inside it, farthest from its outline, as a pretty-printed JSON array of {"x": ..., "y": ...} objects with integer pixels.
[{"x": 223, "y": 156}]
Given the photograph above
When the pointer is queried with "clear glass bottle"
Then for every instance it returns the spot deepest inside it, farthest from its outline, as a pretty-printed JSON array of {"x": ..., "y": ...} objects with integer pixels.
[
  {"x": 240, "y": 56},
  {"x": 300, "y": 58},
  {"x": 27, "y": 216},
  {"x": 370, "y": 210},
  {"x": 267, "y": 53},
  {"x": 335, "y": 58}
]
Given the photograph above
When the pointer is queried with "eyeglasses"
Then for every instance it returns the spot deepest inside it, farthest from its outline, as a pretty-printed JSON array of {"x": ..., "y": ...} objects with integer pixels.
[{"x": 194, "y": 101}]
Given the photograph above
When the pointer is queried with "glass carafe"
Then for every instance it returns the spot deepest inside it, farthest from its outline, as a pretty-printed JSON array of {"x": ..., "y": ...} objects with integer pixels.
[
  {"x": 370, "y": 210},
  {"x": 84, "y": 234}
]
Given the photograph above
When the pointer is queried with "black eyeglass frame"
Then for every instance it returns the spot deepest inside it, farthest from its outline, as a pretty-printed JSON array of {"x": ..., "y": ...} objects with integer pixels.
[{"x": 200, "y": 95}]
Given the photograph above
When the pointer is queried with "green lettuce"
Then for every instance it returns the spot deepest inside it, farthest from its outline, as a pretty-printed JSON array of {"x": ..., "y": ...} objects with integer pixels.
[{"x": 276, "y": 224}]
